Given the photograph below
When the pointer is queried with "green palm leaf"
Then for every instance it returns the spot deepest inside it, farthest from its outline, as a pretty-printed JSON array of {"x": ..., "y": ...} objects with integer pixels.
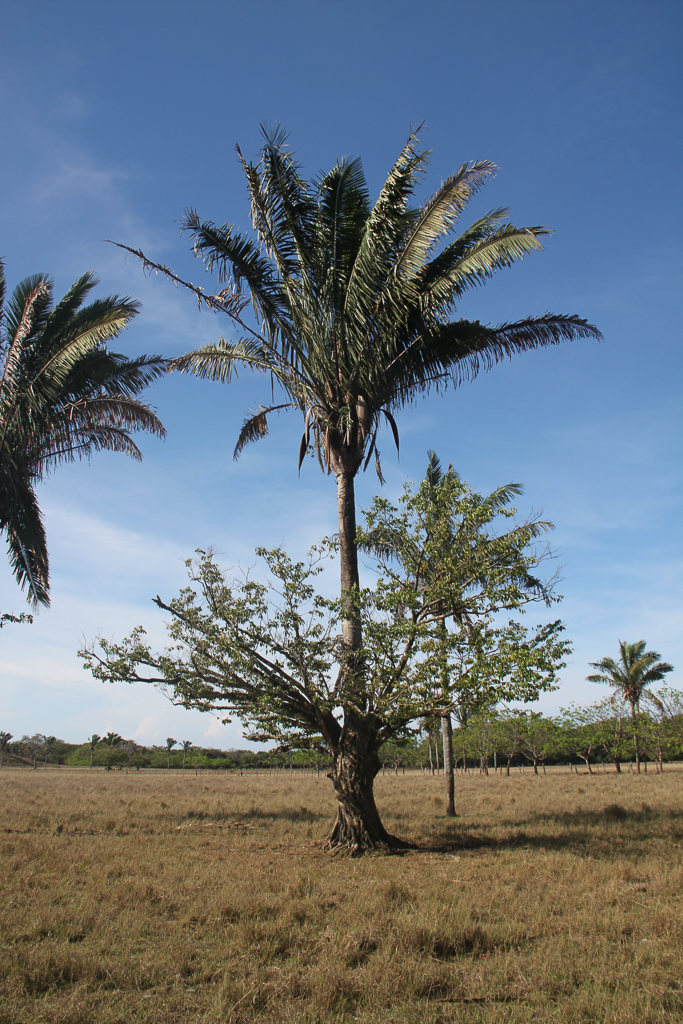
[{"x": 63, "y": 396}]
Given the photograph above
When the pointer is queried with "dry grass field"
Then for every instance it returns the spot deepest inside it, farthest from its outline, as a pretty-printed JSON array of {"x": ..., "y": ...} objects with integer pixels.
[{"x": 166, "y": 898}]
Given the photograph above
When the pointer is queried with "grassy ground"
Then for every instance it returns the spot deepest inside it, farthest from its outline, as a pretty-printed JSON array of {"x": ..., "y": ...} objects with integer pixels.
[{"x": 180, "y": 898}]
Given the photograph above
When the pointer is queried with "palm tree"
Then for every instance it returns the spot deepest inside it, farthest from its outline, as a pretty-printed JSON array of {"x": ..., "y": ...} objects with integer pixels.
[
  {"x": 186, "y": 746},
  {"x": 63, "y": 395},
  {"x": 93, "y": 741},
  {"x": 631, "y": 675},
  {"x": 112, "y": 739},
  {"x": 354, "y": 306},
  {"x": 170, "y": 743}
]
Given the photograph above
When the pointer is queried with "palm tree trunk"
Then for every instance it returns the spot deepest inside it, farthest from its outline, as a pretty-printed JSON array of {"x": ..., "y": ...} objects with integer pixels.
[
  {"x": 636, "y": 743},
  {"x": 356, "y": 761},
  {"x": 348, "y": 557},
  {"x": 447, "y": 735}
]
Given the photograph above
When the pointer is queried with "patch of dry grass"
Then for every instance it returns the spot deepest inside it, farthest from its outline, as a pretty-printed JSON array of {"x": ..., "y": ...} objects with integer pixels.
[{"x": 173, "y": 898}]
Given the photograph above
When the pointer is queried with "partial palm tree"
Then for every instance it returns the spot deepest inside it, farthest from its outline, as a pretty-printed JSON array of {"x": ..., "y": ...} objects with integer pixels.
[
  {"x": 186, "y": 746},
  {"x": 63, "y": 395},
  {"x": 170, "y": 743},
  {"x": 354, "y": 317},
  {"x": 93, "y": 741},
  {"x": 112, "y": 739},
  {"x": 631, "y": 675}
]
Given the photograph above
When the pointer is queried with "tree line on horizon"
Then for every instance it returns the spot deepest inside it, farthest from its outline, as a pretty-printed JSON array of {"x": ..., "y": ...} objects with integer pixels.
[{"x": 497, "y": 739}]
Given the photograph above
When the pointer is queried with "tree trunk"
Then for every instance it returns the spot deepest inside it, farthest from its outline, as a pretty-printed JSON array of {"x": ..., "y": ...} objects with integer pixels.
[
  {"x": 636, "y": 744},
  {"x": 447, "y": 734},
  {"x": 348, "y": 558},
  {"x": 617, "y": 765},
  {"x": 358, "y": 825},
  {"x": 356, "y": 761}
]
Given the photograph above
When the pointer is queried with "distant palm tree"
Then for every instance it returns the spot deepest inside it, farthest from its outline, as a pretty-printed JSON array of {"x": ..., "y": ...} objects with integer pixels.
[
  {"x": 631, "y": 675},
  {"x": 186, "y": 746},
  {"x": 63, "y": 395},
  {"x": 112, "y": 739},
  {"x": 93, "y": 741},
  {"x": 170, "y": 743},
  {"x": 5, "y": 737}
]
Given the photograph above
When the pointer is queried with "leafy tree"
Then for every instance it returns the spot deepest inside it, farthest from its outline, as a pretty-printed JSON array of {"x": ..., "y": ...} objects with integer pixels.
[
  {"x": 387, "y": 541},
  {"x": 354, "y": 306},
  {"x": 510, "y": 726},
  {"x": 668, "y": 706},
  {"x": 48, "y": 745},
  {"x": 63, "y": 395},
  {"x": 170, "y": 743},
  {"x": 538, "y": 737},
  {"x": 630, "y": 676},
  {"x": 581, "y": 733},
  {"x": 609, "y": 717},
  {"x": 478, "y": 738},
  {"x": 273, "y": 653},
  {"x": 8, "y": 617}
]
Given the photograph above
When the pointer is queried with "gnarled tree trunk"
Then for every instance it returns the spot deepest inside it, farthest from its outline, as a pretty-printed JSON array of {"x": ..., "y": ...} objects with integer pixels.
[{"x": 358, "y": 825}]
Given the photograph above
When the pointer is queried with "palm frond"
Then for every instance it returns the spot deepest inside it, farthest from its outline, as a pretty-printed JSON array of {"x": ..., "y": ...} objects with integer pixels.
[
  {"x": 255, "y": 427},
  {"x": 21, "y": 521},
  {"x": 394, "y": 429},
  {"x": 384, "y": 230},
  {"x": 283, "y": 207},
  {"x": 458, "y": 351},
  {"x": 439, "y": 215},
  {"x": 219, "y": 360},
  {"x": 228, "y": 302},
  {"x": 479, "y": 261},
  {"x": 99, "y": 423}
]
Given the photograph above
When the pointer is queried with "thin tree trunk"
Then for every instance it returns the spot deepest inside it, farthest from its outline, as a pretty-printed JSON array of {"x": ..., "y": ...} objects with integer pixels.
[
  {"x": 636, "y": 743},
  {"x": 617, "y": 765},
  {"x": 447, "y": 736},
  {"x": 348, "y": 558}
]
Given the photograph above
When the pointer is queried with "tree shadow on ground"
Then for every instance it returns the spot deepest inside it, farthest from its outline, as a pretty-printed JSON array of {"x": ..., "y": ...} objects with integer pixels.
[{"x": 600, "y": 833}]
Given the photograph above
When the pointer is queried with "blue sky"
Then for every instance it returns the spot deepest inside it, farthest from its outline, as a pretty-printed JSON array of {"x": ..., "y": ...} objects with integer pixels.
[{"x": 117, "y": 115}]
